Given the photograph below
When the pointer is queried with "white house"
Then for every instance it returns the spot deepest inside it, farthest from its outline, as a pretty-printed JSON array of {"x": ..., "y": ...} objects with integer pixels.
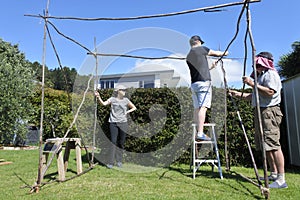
[{"x": 149, "y": 79}]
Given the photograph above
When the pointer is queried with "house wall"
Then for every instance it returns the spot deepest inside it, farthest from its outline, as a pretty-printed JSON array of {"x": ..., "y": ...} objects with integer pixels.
[{"x": 155, "y": 79}]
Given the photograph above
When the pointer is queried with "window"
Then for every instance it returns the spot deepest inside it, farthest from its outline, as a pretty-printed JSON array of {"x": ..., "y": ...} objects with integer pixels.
[
  {"x": 148, "y": 84},
  {"x": 112, "y": 84},
  {"x": 141, "y": 84},
  {"x": 106, "y": 84},
  {"x": 102, "y": 84}
]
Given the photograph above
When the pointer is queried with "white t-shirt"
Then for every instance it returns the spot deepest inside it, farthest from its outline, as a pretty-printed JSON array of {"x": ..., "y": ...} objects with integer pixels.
[{"x": 270, "y": 79}]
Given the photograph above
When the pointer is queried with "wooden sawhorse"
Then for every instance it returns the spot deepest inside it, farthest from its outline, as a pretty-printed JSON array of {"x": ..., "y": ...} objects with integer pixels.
[{"x": 53, "y": 145}]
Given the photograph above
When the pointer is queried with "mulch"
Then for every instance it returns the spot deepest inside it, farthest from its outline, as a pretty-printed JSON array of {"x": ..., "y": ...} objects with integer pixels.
[
  {"x": 18, "y": 147},
  {"x": 3, "y": 162}
]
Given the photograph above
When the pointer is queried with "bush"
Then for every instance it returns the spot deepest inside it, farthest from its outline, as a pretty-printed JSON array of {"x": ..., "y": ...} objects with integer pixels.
[
  {"x": 161, "y": 122},
  {"x": 57, "y": 113},
  {"x": 145, "y": 137}
]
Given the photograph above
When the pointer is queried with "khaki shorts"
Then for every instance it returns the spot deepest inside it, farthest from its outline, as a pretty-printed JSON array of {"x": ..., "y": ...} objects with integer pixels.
[{"x": 271, "y": 118}]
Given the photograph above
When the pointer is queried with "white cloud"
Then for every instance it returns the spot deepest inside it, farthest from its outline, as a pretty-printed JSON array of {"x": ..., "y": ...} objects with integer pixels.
[{"x": 233, "y": 72}]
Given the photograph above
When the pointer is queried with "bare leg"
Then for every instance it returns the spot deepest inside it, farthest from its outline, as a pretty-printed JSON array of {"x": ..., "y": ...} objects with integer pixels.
[
  {"x": 200, "y": 115},
  {"x": 271, "y": 161},
  {"x": 279, "y": 160}
]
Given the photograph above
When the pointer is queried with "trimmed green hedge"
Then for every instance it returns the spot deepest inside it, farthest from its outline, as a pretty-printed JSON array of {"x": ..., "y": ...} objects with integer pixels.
[
  {"x": 158, "y": 129},
  {"x": 161, "y": 122},
  {"x": 168, "y": 99}
]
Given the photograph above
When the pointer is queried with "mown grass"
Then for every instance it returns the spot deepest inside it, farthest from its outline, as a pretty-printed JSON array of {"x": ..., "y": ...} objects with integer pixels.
[{"x": 131, "y": 182}]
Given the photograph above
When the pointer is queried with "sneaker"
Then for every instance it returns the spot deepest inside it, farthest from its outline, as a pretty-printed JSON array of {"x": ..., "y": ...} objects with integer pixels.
[
  {"x": 119, "y": 164},
  {"x": 109, "y": 166},
  {"x": 270, "y": 178},
  {"x": 277, "y": 185},
  {"x": 203, "y": 138}
]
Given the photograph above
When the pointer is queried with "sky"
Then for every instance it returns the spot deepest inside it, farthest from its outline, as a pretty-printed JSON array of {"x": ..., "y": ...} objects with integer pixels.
[{"x": 274, "y": 25}]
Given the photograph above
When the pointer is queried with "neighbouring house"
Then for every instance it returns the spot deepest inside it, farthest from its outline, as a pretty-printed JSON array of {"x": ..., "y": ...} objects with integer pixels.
[{"x": 150, "y": 79}]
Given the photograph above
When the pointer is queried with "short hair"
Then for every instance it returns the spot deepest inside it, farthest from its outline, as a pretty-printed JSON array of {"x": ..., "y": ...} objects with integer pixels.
[{"x": 194, "y": 40}]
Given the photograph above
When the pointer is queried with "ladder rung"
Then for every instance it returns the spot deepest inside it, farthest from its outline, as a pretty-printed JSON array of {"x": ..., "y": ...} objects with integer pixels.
[
  {"x": 204, "y": 142},
  {"x": 206, "y": 160},
  {"x": 206, "y": 124},
  {"x": 213, "y": 160},
  {"x": 209, "y": 124}
]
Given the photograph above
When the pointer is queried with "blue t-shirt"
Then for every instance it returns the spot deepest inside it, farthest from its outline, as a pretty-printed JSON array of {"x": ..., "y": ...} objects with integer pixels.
[
  {"x": 118, "y": 109},
  {"x": 270, "y": 79},
  {"x": 198, "y": 65}
]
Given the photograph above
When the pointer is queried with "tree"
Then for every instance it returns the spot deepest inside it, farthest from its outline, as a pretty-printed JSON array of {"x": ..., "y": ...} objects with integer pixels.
[
  {"x": 289, "y": 64},
  {"x": 63, "y": 79},
  {"x": 58, "y": 114},
  {"x": 37, "y": 69},
  {"x": 16, "y": 85}
]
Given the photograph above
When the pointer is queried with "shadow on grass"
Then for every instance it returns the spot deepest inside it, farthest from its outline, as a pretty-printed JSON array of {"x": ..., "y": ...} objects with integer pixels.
[
  {"x": 292, "y": 169},
  {"x": 239, "y": 186}
]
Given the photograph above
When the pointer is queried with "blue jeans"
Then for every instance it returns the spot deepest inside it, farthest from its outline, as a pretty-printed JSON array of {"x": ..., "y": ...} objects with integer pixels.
[{"x": 117, "y": 138}]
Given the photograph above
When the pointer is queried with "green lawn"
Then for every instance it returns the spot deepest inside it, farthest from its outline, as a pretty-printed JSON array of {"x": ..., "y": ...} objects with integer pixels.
[{"x": 174, "y": 182}]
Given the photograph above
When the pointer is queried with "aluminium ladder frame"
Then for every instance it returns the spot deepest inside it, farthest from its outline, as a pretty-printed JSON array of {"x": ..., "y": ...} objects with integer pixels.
[{"x": 196, "y": 162}]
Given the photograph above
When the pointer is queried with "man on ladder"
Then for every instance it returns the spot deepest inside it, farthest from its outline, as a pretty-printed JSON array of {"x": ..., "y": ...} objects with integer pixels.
[
  {"x": 202, "y": 95},
  {"x": 200, "y": 81}
]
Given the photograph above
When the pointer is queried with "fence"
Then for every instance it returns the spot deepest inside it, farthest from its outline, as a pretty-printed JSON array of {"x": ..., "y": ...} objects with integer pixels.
[{"x": 291, "y": 98}]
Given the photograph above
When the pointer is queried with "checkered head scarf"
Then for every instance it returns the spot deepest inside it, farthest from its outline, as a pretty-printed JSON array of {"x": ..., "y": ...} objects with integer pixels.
[{"x": 264, "y": 60}]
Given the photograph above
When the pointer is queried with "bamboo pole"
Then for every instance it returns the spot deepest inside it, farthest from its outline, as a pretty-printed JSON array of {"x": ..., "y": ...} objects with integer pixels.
[
  {"x": 209, "y": 8},
  {"x": 40, "y": 167},
  {"x": 96, "y": 105},
  {"x": 267, "y": 194}
]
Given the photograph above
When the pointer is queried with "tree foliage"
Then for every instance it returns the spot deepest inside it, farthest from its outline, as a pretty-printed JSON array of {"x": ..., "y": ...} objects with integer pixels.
[
  {"x": 16, "y": 84},
  {"x": 57, "y": 113},
  {"x": 37, "y": 69},
  {"x": 289, "y": 64},
  {"x": 63, "y": 79},
  {"x": 57, "y": 78}
]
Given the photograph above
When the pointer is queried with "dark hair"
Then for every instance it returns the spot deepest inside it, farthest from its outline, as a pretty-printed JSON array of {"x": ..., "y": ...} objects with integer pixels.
[
  {"x": 266, "y": 54},
  {"x": 194, "y": 39}
]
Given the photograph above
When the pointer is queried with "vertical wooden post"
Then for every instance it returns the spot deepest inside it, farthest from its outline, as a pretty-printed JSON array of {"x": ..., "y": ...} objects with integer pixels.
[
  {"x": 40, "y": 167},
  {"x": 60, "y": 165},
  {"x": 67, "y": 155},
  {"x": 78, "y": 156}
]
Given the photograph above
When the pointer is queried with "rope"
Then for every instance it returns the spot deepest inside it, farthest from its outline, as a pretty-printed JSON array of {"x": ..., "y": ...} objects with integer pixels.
[{"x": 236, "y": 32}]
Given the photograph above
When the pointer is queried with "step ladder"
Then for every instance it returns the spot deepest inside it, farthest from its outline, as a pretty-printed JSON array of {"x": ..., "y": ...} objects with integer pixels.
[{"x": 196, "y": 159}]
